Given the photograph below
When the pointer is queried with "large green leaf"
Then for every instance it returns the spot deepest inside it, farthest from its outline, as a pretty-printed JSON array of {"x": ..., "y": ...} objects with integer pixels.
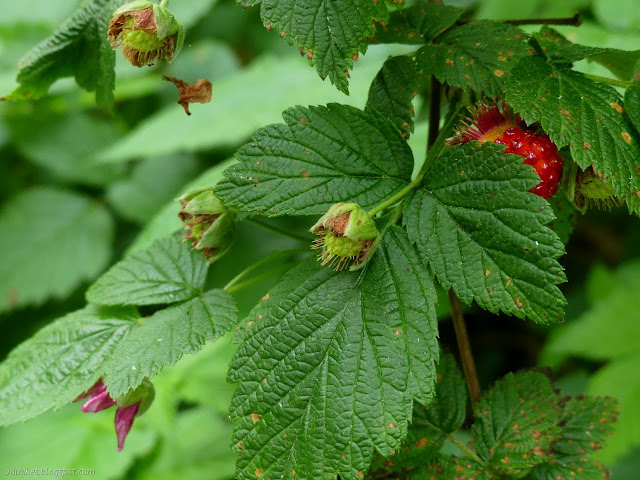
[
  {"x": 321, "y": 156},
  {"x": 331, "y": 363},
  {"x": 517, "y": 421},
  {"x": 166, "y": 336},
  {"x": 392, "y": 92},
  {"x": 51, "y": 240},
  {"x": 61, "y": 361},
  {"x": 79, "y": 48},
  {"x": 585, "y": 115},
  {"x": 166, "y": 272},
  {"x": 484, "y": 235},
  {"x": 479, "y": 55},
  {"x": 329, "y": 33}
]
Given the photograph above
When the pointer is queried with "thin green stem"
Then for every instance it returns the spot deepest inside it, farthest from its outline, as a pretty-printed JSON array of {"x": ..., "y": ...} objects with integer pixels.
[
  {"x": 463, "y": 448},
  {"x": 229, "y": 287},
  {"x": 609, "y": 81},
  {"x": 253, "y": 280},
  {"x": 277, "y": 230},
  {"x": 432, "y": 154},
  {"x": 164, "y": 3}
]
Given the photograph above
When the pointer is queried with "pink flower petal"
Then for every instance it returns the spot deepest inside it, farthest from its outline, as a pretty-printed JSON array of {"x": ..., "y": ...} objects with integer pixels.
[{"x": 124, "y": 420}]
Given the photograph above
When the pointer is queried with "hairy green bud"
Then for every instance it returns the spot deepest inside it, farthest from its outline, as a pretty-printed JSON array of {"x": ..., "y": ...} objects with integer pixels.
[
  {"x": 146, "y": 31},
  {"x": 347, "y": 235},
  {"x": 210, "y": 225}
]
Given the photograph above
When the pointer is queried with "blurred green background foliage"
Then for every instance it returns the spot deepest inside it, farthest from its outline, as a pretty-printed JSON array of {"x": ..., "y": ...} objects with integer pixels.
[{"x": 80, "y": 186}]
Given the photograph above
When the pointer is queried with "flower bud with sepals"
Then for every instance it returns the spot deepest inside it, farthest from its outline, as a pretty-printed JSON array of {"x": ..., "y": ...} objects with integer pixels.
[
  {"x": 347, "y": 235},
  {"x": 146, "y": 31},
  {"x": 210, "y": 225}
]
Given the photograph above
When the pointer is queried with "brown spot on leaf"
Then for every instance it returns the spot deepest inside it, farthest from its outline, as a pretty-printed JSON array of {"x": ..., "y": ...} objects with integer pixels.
[
  {"x": 393, "y": 425},
  {"x": 586, "y": 145},
  {"x": 509, "y": 282},
  {"x": 265, "y": 298},
  {"x": 449, "y": 62},
  {"x": 255, "y": 417},
  {"x": 499, "y": 73},
  {"x": 487, "y": 272},
  {"x": 305, "y": 174},
  {"x": 518, "y": 302},
  {"x": 197, "y": 92},
  {"x": 626, "y": 137},
  {"x": 617, "y": 107},
  {"x": 268, "y": 26},
  {"x": 258, "y": 472},
  {"x": 423, "y": 442}
]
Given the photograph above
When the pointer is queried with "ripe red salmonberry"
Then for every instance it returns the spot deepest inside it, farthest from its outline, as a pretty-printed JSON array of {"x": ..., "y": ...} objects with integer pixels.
[{"x": 490, "y": 123}]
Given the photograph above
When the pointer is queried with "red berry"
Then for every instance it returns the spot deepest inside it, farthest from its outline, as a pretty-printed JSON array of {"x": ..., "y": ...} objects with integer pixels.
[
  {"x": 539, "y": 151},
  {"x": 490, "y": 123}
]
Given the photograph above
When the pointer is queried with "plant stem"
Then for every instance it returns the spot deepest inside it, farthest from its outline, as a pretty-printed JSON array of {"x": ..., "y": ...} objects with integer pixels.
[
  {"x": 464, "y": 347},
  {"x": 434, "y": 111},
  {"x": 164, "y": 3},
  {"x": 432, "y": 154},
  {"x": 575, "y": 21},
  {"x": 609, "y": 81},
  {"x": 232, "y": 285},
  {"x": 463, "y": 448},
  {"x": 274, "y": 229},
  {"x": 252, "y": 280}
]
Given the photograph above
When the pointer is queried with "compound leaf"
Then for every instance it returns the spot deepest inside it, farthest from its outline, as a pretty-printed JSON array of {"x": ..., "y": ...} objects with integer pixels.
[
  {"x": 517, "y": 421},
  {"x": 61, "y": 361},
  {"x": 583, "y": 114},
  {"x": 331, "y": 363},
  {"x": 484, "y": 235},
  {"x": 477, "y": 55},
  {"x": 168, "y": 334},
  {"x": 321, "y": 156},
  {"x": 166, "y": 272}
]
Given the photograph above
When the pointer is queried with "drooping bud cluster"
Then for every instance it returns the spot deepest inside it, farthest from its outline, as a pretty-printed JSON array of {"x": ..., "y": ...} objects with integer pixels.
[
  {"x": 147, "y": 31},
  {"x": 210, "y": 225},
  {"x": 130, "y": 405},
  {"x": 498, "y": 124},
  {"x": 347, "y": 235}
]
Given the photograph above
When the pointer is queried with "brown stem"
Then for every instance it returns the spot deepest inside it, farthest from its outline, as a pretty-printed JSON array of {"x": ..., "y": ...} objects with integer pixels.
[
  {"x": 575, "y": 21},
  {"x": 464, "y": 347},
  {"x": 434, "y": 111}
]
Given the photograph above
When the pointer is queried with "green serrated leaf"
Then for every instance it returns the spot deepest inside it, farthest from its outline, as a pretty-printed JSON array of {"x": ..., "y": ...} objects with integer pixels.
[
  {"x": 331, "y": 364},
  {"x": 632, "y": 104},
  {"x": 585, "y": 115},
  {"x": 569, "y": 468},
  {"x": 61, "y": 361},
  {"x": 448, "y": 409},
  {"x": 484, "y": 235},
  {"x": 392, "y": 92},
  {"x": 479, "y": 55},
  {"x": 323, "y": 155},
  {"x": 51, "y": 240},
  {"x": 79, "y": 48},
  {"x": 448, "y": 467},
  {"x": 166, "y": 336},
  {"x": 558, "y": 49},
  {"x": 166, "y": 272},
  {"x": 331, "y": 34},
  {"x": 416, "y": 24},
  {"x": 517, "y": 421},
  {"x": 586, "y": 421},
  {"x": 445, "y": 414}
]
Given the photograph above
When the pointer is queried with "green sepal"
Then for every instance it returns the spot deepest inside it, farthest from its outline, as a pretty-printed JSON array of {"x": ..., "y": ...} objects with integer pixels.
[{"x": 145, "y": 393}]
